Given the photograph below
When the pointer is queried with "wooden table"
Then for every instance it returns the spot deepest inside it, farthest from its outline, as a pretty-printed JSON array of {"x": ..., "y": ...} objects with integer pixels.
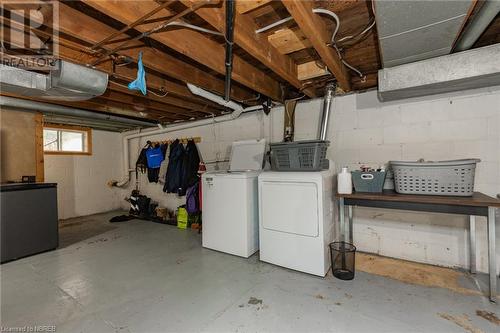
[{"x": 477, "y": 205}]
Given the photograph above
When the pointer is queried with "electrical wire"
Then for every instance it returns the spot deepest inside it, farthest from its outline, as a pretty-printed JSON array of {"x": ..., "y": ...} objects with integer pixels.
[
  {"x": 158, "y": 95},
  {"x": 186, "y": 25},
  {"x": 272, "y": 25},
  {"x": 334, "y": 42},
  {"x": 368, "y": 28},
  {"x": 334, "y": 16}
]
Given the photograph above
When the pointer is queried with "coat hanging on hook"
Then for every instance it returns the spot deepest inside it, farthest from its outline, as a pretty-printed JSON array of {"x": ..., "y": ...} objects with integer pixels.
[{"x": 140, "y": 82}]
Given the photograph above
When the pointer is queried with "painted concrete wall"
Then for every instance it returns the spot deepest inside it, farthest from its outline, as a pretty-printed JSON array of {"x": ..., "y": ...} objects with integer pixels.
[
  {"x": 215, "y": 146},
  {"x": 365, "y": 131},
  {"x": 81, "y": 179}
]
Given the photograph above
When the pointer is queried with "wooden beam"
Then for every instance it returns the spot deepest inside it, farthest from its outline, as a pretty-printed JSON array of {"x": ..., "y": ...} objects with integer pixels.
[
  {"x": 98, "y": 106},
  {"x": 129, "y": 74},
  {"x": 371, "y": 80},
  {"x": 91, "y": 31},
  {"x": 73, "y": 52},
  {"x": 167, "y": 100},
  {"x": 40, "y": 170},
  {"x": 192, "y": 44},
  {"x": 244, "y": 6},
  {"x": 135, "y": 101},
  {"x": 289, "y": 40},
  {"x": 316, "y": 31},
  {"x": 311, "y": 70},
  {"x": 255, "y": 44}
]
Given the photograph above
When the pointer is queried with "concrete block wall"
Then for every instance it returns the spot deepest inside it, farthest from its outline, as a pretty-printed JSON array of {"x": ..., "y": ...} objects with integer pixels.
[
  {"x": 365, "y": 131},
  {"x": 81, "y": 179},
  {"x": 215, "y": 145}
]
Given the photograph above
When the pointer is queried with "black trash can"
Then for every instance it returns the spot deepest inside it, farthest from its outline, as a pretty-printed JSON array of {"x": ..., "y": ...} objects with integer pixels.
[{"x": 343, "y": 259}]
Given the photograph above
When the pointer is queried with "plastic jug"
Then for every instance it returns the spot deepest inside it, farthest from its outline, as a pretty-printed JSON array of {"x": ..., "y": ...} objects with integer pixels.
[{"x": 344, "y": 182}]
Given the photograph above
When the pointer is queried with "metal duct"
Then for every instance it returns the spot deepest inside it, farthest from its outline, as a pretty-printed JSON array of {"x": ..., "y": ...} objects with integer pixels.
[
  {"x": 325, "y": 113},
  {"x": 478, "y": 25},
  {"x": 48, "y": 108},
  {"x": 69, "y": 82},
  {"x": 470, "y": 69},
  {"x": 411, "y": 31}
]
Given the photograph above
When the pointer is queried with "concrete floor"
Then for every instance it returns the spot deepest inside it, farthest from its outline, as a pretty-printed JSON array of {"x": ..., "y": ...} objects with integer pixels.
[{"x": 141, "y": 276}]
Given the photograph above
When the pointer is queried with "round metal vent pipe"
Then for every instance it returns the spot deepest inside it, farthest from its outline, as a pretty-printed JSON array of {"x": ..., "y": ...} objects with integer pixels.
[{"x": 325, "y": 113}]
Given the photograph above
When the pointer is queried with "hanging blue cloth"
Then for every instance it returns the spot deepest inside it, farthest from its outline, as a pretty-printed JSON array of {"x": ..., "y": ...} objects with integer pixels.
[{"x": 140, "y": 82}]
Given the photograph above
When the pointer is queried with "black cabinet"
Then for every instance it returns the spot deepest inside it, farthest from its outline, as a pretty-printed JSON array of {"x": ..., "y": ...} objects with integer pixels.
[{"x": 29, "y": 222}]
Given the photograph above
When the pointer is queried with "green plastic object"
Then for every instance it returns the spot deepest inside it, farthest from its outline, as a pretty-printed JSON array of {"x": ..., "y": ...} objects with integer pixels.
[{"x": 182, "y": 218}]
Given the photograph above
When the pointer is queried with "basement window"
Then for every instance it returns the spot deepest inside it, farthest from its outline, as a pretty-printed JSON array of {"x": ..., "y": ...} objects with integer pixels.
[{"x": 67, "y": 140}]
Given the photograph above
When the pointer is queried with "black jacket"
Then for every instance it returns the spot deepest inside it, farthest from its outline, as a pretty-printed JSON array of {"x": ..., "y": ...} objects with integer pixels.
[
  {"x": 173, "y": 178},
  {"x": 190, "y": 166}
]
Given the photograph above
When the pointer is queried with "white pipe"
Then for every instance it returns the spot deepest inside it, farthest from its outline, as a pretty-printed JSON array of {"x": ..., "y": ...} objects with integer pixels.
[
  {"x": 237, "y": 111},
  {"x": 237, "y": 108},
  {"x": 272, "y": 25}
]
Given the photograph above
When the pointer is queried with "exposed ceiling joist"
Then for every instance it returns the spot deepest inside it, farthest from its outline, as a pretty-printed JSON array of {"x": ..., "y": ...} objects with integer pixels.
[
  {"x": 248, "y": 5},
  {"x": 192, "y": 44},
  {"x": 138, "y": 102},
  {"x": 255, "y": 44},
  {"x": 169, "y": 102},
  {"x": 91, "y": 31},
  {"x": 104, "y": 106},
  {"x": 317, "y": 33}
]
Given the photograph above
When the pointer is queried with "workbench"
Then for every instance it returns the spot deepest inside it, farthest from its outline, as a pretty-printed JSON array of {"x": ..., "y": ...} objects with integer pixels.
[{"x": 478, "y": 204}]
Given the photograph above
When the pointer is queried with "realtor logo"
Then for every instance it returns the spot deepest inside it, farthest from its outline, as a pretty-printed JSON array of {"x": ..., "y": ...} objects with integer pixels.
[{"x": 29, "y": 34}]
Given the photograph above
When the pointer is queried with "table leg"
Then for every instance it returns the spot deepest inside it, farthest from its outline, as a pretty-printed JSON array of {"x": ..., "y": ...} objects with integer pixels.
[
  {"x": 472, "y": 243},
  {"x": 491, "y": 254},
  {"x": 342, "y": 219},
  {"x": 349, "y": 212}
]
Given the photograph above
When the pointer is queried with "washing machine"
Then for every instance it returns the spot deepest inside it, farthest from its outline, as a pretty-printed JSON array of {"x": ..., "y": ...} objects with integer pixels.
[
  {"x": 230, "y": 204},
  {"x": 296, "y": 214}
]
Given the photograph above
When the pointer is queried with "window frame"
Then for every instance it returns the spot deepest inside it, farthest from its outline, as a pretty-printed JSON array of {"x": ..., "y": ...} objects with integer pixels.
[{"x": 70, "y": 128}]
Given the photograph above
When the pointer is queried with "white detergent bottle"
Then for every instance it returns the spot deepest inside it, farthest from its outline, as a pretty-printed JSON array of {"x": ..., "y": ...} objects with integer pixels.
[{"x": 344, "y": 181}]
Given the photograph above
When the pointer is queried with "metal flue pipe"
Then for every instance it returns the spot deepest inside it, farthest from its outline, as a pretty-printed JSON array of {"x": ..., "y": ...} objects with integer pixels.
[
  {"x": 229, "y": 47},
  {"x": 325, "y": 112}
]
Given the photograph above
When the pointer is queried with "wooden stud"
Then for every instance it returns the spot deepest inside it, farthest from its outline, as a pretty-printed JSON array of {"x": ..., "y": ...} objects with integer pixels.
[
  {"x": 316, "y": 31},
  {"x": 40, "y": 164}
]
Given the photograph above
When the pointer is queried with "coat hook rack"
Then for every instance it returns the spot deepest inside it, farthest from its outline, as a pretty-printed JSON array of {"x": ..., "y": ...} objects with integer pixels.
[{"x": 183, "y": 140}]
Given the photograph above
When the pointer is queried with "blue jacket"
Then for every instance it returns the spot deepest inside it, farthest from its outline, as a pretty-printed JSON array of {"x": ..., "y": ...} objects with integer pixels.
[{"x": 155, "y": 155}]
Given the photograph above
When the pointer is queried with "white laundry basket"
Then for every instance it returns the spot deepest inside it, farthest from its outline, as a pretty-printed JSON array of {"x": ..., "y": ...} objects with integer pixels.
[{"x": 455, "y": 178}]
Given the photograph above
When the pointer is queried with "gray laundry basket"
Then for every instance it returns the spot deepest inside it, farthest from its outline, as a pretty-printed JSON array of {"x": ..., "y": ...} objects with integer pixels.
[
  {"x": 307, "y": 155},
  {"x": 455, "y": 178}
]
